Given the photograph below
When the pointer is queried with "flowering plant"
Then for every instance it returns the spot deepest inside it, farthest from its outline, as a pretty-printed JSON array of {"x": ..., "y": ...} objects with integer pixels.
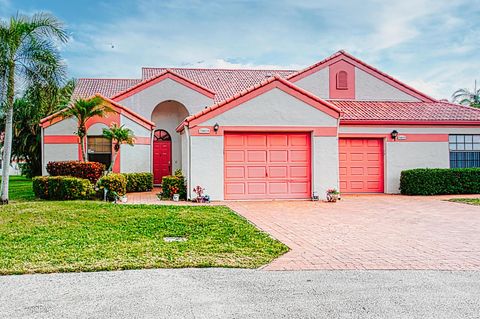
[
  {"x": 332, "y": 191},
  {"x": 199, "y": 191},
  {"x": 174, "y": 189}
]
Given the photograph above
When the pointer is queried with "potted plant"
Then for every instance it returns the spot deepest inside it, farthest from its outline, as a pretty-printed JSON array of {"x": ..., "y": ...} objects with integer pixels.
[
  {"x": 199, "y": 190},
  {"x": 332, "y": 195},
  {"x": 174, "y": 190}
]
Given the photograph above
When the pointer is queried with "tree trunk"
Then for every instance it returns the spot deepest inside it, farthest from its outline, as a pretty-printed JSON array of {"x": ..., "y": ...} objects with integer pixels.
[
  {"x": 115, "y": 153},
  {"x": 82, "y": 149},
  {"x": 7, "y": 142}
]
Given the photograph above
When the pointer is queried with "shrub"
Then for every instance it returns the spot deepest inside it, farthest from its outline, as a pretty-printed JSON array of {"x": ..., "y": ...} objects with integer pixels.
[
  {"x": 440, "y": 181},
  {"x": 139, "y": 182},
  {"x": 62, "y": 188},
  {"x": 174, "y": 184},
  {"x": 114, "y": 183},
  {"x": 88, "y": 170}
]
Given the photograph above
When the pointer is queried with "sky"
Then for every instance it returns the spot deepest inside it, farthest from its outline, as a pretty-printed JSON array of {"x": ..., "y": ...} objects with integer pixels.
[{"x": 432, "y": 45}]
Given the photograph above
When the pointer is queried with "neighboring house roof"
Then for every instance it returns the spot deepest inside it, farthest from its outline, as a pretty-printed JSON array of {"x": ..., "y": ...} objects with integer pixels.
[
  {"x": 224, "y": 82},
  {"x": 342, "y": 55},
  {"x": 166, "y": 74},
  {"x": 56, "y": 117},
  {"x": 85, "y": 88},
  {"x": 361, "y": 112},
  {"x": 266, "y": 85}
]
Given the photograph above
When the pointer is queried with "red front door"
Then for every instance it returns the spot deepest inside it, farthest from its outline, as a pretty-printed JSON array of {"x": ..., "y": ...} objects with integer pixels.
[{"x": 162, "y": 160}]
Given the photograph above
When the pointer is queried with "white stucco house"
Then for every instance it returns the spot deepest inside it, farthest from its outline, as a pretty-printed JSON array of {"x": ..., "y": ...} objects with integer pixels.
[{"x": 274, "y": 134}]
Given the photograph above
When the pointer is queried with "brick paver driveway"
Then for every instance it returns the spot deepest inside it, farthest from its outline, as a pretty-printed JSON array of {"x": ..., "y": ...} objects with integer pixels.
[{"x": 371, "y": 232}]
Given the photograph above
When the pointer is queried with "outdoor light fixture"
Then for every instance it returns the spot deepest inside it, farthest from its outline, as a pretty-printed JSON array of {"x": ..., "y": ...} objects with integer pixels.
[
  {"x": 216, "y": 127},
  {"x": 394, "y": 135}
]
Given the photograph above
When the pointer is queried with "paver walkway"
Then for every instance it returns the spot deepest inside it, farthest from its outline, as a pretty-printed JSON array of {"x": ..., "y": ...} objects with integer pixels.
[{"x": 371, "y": 232}]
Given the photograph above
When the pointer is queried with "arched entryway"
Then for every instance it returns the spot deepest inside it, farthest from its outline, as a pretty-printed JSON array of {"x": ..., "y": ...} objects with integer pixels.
[
  {"x": 162, "y": 155},
  {"x": 166, "y": 116}
]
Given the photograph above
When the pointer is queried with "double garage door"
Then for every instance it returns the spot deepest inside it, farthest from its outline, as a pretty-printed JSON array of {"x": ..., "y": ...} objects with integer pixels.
[
  {"x": 267, "y": 165},
  {"x": 278, "y": 165},
  {"x": 361, "y": 165}
]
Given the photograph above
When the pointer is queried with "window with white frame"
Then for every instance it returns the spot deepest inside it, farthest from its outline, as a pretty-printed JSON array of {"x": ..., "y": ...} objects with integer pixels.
[{"x": 464, "y": 150}]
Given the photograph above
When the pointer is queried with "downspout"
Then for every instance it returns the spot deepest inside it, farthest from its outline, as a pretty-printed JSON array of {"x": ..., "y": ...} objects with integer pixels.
[
  {"x": 42, "y": 148},
  {"x": 189, "y": 178}
]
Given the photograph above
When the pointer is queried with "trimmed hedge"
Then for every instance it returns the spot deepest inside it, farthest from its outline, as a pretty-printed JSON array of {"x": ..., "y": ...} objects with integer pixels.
[
  {"x": 440, "y": 181},
  {"x": 173, "y": 183},
  {"x": 114, "y": 183},
  {"x": 62, "y": 188},
  {"x": 139, "y": 182},
  {"x": 87, "y": 170}
]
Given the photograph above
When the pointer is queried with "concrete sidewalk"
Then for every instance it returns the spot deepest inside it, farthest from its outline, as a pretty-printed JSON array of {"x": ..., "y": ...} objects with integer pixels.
[{"x": 237, "y": 293}]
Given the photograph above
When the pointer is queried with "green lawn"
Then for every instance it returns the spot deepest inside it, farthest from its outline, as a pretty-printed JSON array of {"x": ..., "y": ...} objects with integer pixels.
[
  {"x": 44, "y": 237},
  {"x": 20, "y": 189},
  {"x": 470, "y": 201}
]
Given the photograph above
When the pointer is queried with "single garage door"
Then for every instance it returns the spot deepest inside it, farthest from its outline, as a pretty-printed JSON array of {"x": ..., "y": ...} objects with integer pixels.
[
  {"x": 267, "y": 165},
  {"x": 361, "y": 165}
]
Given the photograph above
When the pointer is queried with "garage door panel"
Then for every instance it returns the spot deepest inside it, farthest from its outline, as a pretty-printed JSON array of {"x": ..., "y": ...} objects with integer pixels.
[
  {"x": 299, "y": 140},
  {"x": 299, "y": 156},
  {"x": 235, "y": 188},
  {"x": 234, "y": 140},
  {"x": 357, "y": 171},
  {"x": 278, "y": 140},
  {"x": 299, "y": 187},
  {"x": 267, "y": 165},
  {"x": 361, "y": 165},
  {"x": 235, "y": 172},
  {"x": 234, "y": 156},
  {"x": 256, "y": 188},
  {"x": 256, "y": 171},
  {"x": 257, "y": 156},
  {"x": 278, "y": 188},
  {"x": 256, "y": 140},
  {"x": 279, "y": 156},
  {"x": 357, "y": 157},
  {"x": 299, "y": 172},
  {"x": 278, "y": 171}
]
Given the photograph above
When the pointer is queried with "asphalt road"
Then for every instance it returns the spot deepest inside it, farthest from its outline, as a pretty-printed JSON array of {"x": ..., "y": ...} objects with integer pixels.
[{"x": 235, "y": 293}]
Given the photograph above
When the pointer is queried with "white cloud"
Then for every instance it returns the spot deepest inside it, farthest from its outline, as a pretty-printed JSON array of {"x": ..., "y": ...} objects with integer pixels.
[{"x": 430, "y": 44}]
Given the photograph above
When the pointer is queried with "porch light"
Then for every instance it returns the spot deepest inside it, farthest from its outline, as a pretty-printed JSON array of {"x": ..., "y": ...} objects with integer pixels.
[
  {"x": 394, "y": 135},
  {"x": 216, "y": 127}
]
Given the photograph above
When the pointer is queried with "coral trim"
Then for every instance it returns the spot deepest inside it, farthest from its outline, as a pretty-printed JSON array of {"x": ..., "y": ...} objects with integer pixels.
[
  {"x": 120, "y": 109},
  {"x": 60, "y": 139},
  {"x": 342, "y": 55},
  {"x": 256, "y": 90},
  {"x": 167, "y": 74},
  {"x": 317, "y": 131},
  {"x": 409, "y": 137},
  {"x": 409, "y": 122}
]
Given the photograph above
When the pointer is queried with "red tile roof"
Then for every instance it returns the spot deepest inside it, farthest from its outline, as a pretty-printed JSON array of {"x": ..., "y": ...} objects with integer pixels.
[
  {"x": 253, "y": 88},
  {"x": 85, "y": 88},
  {"x": 405, "y": 111},
  {"x": 224, "y": 82}
]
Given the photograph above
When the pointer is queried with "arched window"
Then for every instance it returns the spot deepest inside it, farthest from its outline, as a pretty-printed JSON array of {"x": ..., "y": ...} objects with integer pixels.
[
  {"x": 161, "y": 135},
  {"x": 342, "y": 81}
]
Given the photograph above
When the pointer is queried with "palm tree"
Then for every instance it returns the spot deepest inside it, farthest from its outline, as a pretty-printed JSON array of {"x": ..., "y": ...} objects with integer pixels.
[
  {"x": 467, "y": 97},
  {"x": 118, "y": 135},
  {"x": 39, "y": 101},
  {"x": 28, "y": 54},
  {"x": 83, "y": 110}
]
